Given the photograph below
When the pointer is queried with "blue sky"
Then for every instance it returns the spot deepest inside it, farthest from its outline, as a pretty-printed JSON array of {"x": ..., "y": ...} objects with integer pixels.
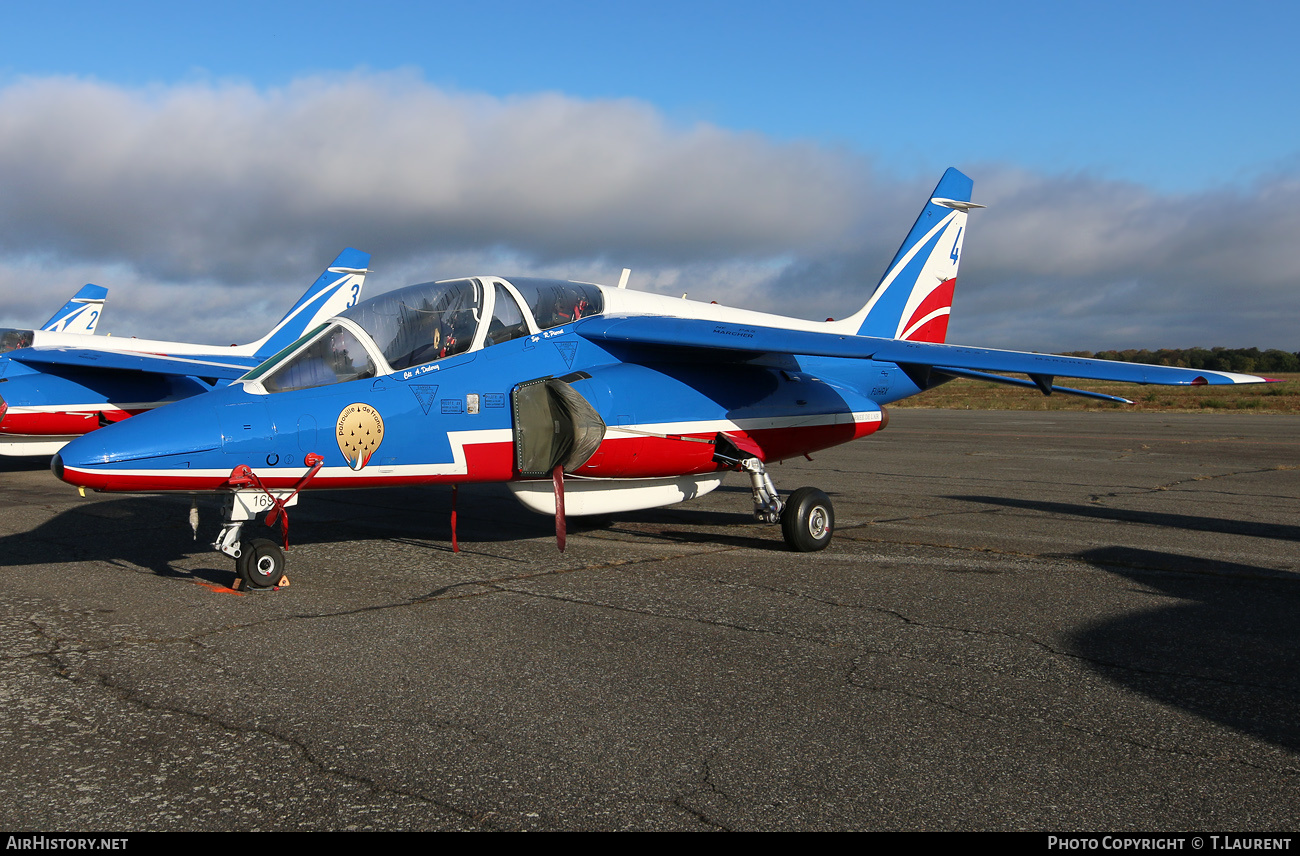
[
  {"x": 1178, "y": 120},
  {"x": 1177, "y": 96}
]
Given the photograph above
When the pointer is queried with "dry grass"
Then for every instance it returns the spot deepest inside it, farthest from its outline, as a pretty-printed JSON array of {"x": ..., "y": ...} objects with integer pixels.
[{"x": 964, "y": 394}]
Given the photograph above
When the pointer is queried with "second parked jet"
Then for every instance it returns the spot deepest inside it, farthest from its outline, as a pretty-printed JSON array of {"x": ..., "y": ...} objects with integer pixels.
[{"x": 55, "y": 386}]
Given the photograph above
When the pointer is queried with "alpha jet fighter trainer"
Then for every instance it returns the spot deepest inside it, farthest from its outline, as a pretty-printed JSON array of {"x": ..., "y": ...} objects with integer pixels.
[
  {"x": 55, "y": 386},
  {"x": 582, "y": 398}
]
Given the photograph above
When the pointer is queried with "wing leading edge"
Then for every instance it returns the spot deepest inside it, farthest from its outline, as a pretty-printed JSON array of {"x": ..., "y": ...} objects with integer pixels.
[
  {"x": 919, "y": 359},
  {"x": 225, "y": 366}
]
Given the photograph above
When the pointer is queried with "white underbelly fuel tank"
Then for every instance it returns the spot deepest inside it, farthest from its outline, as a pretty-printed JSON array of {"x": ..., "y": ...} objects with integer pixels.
[{"x": 611, "y": 496}]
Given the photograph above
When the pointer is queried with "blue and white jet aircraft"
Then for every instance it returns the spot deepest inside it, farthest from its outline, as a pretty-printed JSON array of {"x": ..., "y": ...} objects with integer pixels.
[
  {"x": 79, "y": 316},
  {"x": 582, "y": 398},
  {"x": 56, "y": 384}
]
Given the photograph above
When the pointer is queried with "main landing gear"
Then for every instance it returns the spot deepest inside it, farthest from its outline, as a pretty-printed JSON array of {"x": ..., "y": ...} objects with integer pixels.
[{"x": 807, "y": 518}]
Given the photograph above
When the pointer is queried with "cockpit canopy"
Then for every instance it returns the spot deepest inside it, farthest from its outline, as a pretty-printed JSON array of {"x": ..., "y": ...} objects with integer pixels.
[
  {"x": 12, "y": 340},
  {"x": 423, "y": 323}
]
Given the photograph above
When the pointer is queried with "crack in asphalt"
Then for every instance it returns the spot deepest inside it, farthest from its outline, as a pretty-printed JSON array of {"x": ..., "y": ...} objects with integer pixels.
[
  {"x": 65, "y": 671},
  {"x": 502, "y": 585},
  {"x": 1003, "y": 634},
  {"x": 1098, "y": 497},
  {"x": 62, "y": 646},
  {"x": 705, "y": 784},
  {"x": 1059, "y": 652},
  {"x": 485, "y": 586},
  {"x": 1067, "y": 557},
  {"x": 934, "y": 515}
]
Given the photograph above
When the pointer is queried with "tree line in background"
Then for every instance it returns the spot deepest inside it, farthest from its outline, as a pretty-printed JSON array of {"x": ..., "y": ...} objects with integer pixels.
[{"x": 1245, "y": 360}]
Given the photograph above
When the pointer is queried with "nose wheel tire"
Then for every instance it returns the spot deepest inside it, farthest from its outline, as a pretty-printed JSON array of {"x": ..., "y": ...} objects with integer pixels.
[
  {"x": 808, "y": 520},
  {"x": 260, "y": 563}
]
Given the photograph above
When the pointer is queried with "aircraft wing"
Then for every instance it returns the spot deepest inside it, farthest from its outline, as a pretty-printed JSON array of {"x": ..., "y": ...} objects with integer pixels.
[
  {"x": 915, "y": 358},
  {"x": 227, "y": 366}
]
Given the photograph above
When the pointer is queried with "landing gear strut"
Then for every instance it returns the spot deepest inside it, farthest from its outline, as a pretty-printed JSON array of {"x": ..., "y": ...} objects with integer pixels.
[
  {"x": 807, "y": 518},
  {"x": 767, "y": 504},
  {"x": 260, "y": 562}
]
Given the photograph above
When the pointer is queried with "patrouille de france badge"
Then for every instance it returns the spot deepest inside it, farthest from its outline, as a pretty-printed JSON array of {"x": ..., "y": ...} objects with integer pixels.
[{"x": 360, "y": 430}]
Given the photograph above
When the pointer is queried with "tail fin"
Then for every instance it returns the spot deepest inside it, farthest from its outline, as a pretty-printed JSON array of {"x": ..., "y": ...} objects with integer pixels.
[
  {"x": 333, "y": 291},
  {"x": 914, "y": 298},
  {"x": 80, "y": 314}
]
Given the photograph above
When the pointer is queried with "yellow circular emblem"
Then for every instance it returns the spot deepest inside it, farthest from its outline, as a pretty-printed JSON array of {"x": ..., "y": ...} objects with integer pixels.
[{"x": 359, "y": 431}]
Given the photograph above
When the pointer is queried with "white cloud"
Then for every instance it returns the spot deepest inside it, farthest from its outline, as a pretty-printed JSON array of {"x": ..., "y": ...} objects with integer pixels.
[
  {"x": 206, "y": 208},
  {"x": 1097, "y": 264}
]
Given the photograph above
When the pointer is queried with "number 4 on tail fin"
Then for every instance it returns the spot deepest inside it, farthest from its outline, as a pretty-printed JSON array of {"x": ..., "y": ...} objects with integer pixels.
[{"x": 914, "y": 298}]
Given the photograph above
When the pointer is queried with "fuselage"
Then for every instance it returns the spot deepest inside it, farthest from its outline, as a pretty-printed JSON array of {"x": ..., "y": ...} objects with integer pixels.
[{"x": 454, "y": 414}]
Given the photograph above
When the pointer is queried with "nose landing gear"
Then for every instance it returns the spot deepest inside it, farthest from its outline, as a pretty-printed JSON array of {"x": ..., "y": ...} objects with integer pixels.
[{"x": 260, "y": 562}]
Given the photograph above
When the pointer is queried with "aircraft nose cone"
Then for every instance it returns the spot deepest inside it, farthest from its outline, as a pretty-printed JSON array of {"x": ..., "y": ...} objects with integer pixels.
[
  {"x": 86, "y": 450},
  {"x": 179, "y": 446},
  {"x": 77, "y": 457}
]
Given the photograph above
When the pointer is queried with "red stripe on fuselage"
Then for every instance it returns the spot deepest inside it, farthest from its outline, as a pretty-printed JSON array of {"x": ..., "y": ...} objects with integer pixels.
[
  {"x": 60, "y": 422},
  {"x": 620, "y": 457}
]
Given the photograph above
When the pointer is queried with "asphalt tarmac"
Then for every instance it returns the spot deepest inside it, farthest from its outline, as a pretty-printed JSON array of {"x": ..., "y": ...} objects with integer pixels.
[{"x": 1036, "y": 621}]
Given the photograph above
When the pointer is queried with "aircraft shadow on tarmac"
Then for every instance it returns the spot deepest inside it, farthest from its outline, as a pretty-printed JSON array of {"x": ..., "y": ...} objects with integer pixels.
[
  {"x": 1176, "y": 521},
  {"x": 153, "y": 532},
  {"x": 23, "y": 465},
  {"x": 1227, "y": 652}
]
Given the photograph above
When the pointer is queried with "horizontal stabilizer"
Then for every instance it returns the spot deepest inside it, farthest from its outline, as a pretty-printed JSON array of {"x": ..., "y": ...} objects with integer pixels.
[
  {"x": 957, "y": 204},
  {"x": 1047, "y": 389}
]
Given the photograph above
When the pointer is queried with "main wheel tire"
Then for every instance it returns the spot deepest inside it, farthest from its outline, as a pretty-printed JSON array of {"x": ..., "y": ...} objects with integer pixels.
[
  {"x": 808, "y": 520},
  {"x": 260, "y": 563}
]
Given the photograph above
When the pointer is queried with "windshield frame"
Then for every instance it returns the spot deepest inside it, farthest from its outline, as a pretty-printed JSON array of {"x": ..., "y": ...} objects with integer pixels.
[{"x": 253, "y": 381}]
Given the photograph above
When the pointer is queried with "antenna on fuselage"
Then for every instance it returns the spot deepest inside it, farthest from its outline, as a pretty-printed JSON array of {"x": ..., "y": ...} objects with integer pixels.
[{"x": 622, "y": 280}]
